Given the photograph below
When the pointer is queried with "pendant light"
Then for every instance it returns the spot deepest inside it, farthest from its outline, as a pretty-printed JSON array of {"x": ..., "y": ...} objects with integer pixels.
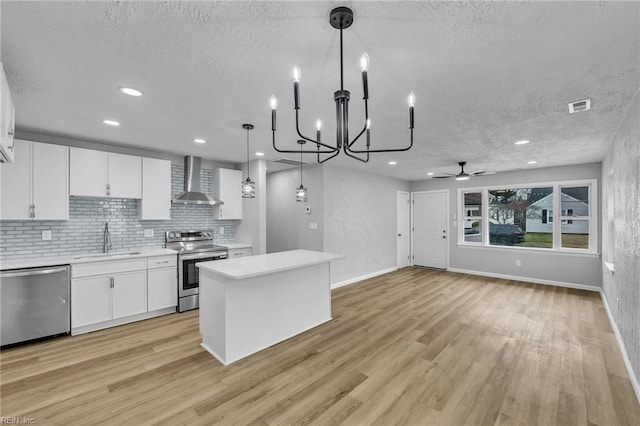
[
  {"x": 301, "y": 191},
  {"x": 248, "y": 186},
  {"x": 341, "y": 18}
]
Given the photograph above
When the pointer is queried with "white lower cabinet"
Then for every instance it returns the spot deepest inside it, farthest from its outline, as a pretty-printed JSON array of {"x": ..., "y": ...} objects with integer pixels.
[
  {"x": 241, "y": 252},
  {"x": 90, "y": 300},
  {"x": 108, "y": 293},
  {"x": 162, "y": 283},
  {"x": 129, "y": 294}
]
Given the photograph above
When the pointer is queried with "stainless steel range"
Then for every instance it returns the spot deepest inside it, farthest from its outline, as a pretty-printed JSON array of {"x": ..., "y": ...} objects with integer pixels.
[{"x": 192, "y": 247}]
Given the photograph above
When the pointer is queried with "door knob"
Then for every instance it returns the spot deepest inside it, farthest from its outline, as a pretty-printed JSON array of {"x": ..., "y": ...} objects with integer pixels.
[{"x": 399, "y": 235}]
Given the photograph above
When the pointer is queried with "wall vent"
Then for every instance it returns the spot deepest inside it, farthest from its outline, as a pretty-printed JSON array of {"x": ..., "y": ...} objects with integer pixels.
[
  {"x": 288, "y": 161},
  {"x": 579, "y": 106}
]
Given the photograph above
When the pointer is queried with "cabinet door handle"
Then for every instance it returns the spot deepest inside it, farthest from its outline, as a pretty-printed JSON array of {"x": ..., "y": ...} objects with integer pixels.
[
  {"x": 108, "y": 189},
  {"x": 34, "y": 211},
  {"x": 112, "y": 283}
]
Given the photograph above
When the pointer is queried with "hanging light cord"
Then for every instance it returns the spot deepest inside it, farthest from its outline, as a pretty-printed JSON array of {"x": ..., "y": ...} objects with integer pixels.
[{"x": 300, "y": 165}]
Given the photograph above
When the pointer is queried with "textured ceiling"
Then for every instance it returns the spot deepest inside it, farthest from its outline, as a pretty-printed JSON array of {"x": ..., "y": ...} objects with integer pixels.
[{"x": 485, "y": 74}]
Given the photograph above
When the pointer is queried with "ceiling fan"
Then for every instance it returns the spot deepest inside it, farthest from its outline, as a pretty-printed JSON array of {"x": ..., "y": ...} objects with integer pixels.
[{"x": 464, "y": 175}]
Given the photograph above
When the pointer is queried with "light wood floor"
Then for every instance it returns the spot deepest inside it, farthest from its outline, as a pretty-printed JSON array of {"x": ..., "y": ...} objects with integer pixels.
[{"x": 413, "y": 347}]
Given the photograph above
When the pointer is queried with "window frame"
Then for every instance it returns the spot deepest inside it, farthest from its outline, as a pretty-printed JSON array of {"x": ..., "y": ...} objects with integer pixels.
[{"x": 555, "y": 216}]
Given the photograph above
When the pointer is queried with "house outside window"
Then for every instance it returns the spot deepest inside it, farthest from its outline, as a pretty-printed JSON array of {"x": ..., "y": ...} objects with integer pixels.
[{"x": 552, "y": 216}]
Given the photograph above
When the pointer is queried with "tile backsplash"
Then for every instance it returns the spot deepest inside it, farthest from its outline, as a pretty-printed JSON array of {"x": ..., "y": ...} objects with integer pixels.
[{"x": 83, "y": 232}]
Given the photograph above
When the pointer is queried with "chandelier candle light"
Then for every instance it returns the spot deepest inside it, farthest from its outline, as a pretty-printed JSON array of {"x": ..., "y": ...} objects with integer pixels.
[
  {"x": 301, "y": 191},
  {"x": 248, "y": 186},
  {"x": 340, "y": 18}
]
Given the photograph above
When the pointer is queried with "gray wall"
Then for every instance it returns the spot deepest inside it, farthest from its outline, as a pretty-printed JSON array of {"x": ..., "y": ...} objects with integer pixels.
[
  {"x": 549, "y": 266},
  {"x": 288, "y": 224},
  {"x": 621, "y": 231},
  {"x": 82, "y": 233},
  {"x": 360, "y": 221}
]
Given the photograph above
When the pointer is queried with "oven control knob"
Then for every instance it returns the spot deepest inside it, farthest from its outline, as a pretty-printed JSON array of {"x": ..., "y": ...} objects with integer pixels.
[
  {"x": 209, "y": 234},
  {"x": 171, "y": 235}
]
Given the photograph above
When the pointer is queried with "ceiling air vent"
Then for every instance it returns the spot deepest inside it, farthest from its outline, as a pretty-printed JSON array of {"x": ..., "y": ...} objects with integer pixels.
[
  {"x": 579, "y": 106},
  {"x": 288, "y": 161}
]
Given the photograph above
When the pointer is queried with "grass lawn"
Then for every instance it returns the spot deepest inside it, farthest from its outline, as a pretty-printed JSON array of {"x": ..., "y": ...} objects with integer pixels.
[{"x": 540, "y": 239}]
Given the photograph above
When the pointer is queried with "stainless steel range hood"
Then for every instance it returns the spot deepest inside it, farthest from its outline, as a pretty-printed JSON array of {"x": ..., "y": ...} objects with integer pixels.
[{"x": 192, "y": 192}]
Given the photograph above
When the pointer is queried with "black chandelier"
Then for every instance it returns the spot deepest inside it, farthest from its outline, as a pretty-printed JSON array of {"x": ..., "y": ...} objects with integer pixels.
[{"x": 340, "y": 18}]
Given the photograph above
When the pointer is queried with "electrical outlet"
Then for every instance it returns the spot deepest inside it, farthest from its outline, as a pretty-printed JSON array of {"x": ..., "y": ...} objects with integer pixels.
[
  {"x": 148, "y": 233},
  {"x": 518, "y": 262},
  {"x": 222, "y": 230},
  {"x": 313, "y": 225},
  {"x": 46, "y": 235}
]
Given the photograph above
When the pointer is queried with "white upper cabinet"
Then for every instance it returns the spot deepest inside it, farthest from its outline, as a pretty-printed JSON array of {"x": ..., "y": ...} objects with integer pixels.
[
  {"x": 227, "y": 188},
  {"x": 125, "y": 174},
  {"x": 105, "y": 174},
  {"x": 7, "y": 120},
  {"x": 35, "y": 186},
  {"x": 89, "y": 172},
  {"x": 156, "y": 190}
]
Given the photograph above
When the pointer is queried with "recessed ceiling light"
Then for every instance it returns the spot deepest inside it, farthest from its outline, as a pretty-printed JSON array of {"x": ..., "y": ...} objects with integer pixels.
[
  {"x": 259, "y": 154},
  {"x": 199, "y": 141},
  {"x": 430, "y": 174},
  {"x": 393, "y": 163},
  {"x": 523, "y": 142},
  {"x": 111, "y": 122},
  {"x": 131, "y": 92},
  {"x": 532, "y": 162}
]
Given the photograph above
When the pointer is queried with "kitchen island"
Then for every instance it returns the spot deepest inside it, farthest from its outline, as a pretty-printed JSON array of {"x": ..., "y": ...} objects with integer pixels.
[{"x": 250, "y": 303}]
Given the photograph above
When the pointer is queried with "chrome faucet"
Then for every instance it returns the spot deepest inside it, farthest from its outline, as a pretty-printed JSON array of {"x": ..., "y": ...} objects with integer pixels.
[{"x": 106, "y": 238}]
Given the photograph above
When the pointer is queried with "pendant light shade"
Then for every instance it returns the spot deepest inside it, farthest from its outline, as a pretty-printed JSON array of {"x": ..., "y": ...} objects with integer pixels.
[
  {"x": 301, "y": 194},
  {"x": 248, "y": 186},
  {"x": 301, "y": 191},
  {"x": 248, "y": 189}
]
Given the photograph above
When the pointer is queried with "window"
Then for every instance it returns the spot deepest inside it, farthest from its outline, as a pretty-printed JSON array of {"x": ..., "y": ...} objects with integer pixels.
[
  {"x": 554, "y": 216},
  {"x": 516, "y": 217},
  {"x": 575, "y": 217},
  {"x": 472, "y": 217}
]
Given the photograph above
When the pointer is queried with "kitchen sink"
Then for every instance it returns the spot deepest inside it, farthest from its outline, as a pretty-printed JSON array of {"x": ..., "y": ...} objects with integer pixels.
[{"x": 98, "y": 255}]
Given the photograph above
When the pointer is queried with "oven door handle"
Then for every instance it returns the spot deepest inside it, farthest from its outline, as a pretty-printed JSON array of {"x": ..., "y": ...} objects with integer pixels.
[{"x": 202, "y": 255}]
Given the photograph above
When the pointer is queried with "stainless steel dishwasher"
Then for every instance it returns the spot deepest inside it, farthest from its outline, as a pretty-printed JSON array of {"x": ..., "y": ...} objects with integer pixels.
[{"x": 34, "y": 303}]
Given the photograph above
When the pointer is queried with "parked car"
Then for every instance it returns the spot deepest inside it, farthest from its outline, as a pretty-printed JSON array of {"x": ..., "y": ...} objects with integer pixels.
[{"x": 505, "y": 235}]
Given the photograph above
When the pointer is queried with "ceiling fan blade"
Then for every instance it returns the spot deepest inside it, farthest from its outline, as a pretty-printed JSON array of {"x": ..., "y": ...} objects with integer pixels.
[
  {"x": 482, "y": 173},
  {"x": 477, "y": 172},
  {"x": 441, "y": 177}
]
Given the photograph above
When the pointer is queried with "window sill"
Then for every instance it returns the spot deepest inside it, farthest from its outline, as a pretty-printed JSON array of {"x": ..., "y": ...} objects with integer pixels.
[{"x": 530, "y": 249}]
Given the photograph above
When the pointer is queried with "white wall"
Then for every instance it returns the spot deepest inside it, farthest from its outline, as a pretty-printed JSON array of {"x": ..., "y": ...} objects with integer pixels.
[
  {"x": 287, "y": 222},
  {"x": 539, "y": 265},
  {"x": 360, "y": 221},
  {"x": 621, "y": 232},
  {"x": 253, "y": 226}
]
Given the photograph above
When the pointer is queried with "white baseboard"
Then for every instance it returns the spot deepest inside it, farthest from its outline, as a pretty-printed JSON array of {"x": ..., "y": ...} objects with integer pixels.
[
  {"x": 363, "y": 277},
  {"x": 632, "y": 376},
  {"x": 527, "y": 279}
]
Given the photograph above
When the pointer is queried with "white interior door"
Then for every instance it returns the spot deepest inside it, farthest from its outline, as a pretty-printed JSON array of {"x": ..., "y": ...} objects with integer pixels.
[
  {"x": 430, "y": 236},
  {"x": 403, "y": 225}
]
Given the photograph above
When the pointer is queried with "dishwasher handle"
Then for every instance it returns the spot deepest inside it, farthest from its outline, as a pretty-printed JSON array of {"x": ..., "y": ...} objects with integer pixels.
[{"x": 29, "y": 273}]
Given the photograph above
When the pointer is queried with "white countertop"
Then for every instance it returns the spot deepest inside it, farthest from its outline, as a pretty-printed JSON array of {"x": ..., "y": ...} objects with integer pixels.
[
  {"x": 262, "y": 264},
  {"x": 233, "y": 246},
  {"x": 33, "y": 262}
]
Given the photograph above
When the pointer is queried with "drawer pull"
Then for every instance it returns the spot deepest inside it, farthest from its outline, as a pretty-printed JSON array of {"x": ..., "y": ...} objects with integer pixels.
[{"x": 165, "y": 261}]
